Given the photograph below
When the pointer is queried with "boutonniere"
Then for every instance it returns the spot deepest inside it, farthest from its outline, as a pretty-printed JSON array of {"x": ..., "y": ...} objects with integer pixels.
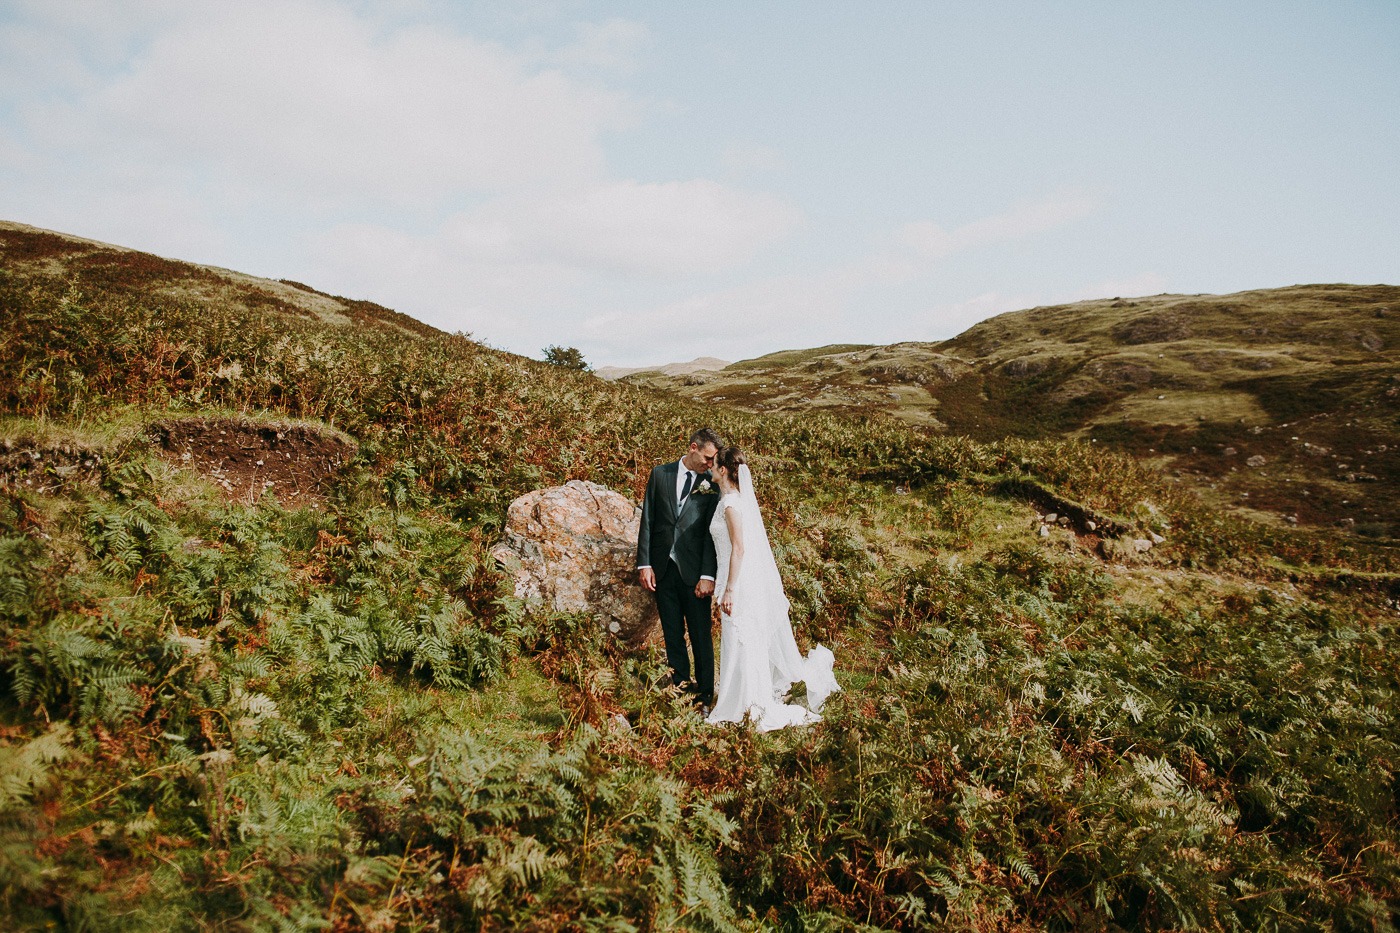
[{"x": 703, "y": 488}]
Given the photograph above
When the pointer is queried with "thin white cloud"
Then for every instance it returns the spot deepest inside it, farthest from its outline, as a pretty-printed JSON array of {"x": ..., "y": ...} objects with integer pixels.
[
  {"x": 927, "y": 240},
  {"x": 691, "y": 227},
  {"x": 785, "y": 311},
  {"x": 610, "y": 46},
  {"x": 825, "y": 306},
  {"x": 743, "y": 158},
  {"x": 914, "y": 250},
  {"x": 493, "y": 268}
]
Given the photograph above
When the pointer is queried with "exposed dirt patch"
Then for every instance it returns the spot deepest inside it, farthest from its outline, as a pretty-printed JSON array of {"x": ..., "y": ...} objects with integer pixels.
[{"x": 247, "y": 459}]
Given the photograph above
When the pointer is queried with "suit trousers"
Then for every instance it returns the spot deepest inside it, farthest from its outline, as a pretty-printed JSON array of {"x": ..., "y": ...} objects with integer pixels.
[{"x": 683, "y": 612}]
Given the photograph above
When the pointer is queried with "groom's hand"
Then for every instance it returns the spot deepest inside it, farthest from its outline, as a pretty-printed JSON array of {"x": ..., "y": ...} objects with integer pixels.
[
  {"x": 648, "y": 577},
  {"x": 704, "y": 588}
]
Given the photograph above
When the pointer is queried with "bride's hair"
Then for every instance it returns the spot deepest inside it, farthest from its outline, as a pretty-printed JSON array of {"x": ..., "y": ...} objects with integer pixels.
[{"x": 730, "y": 458}]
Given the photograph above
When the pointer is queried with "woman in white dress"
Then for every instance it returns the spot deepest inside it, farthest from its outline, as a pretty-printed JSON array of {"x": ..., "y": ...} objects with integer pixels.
[{"x": 759, "y": 659}]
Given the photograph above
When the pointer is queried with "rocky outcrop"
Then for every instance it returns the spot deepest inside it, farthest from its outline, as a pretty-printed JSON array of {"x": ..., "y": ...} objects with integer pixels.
[
  {"x": 573, "y": 548},
  {"x": 1153, "y": 327},
  {"x": 1025, "y": 367}
]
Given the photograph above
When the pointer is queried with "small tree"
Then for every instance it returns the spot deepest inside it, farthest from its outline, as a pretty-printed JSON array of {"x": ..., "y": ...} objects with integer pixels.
[{"x": 567, "y": 357}]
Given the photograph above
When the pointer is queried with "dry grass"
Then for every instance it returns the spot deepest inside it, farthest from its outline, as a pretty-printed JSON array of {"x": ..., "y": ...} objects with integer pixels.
[{"x": 1187, "y": 408}]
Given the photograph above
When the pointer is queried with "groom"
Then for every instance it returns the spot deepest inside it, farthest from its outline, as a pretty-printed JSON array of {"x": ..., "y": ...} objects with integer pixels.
[{"x": 676, "y": 559}]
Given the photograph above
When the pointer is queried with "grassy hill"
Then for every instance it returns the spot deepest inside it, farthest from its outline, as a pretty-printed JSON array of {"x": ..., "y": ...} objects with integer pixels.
[
  {"x": 1280, "y": 403},
  {"x": 257, "y": 669}
]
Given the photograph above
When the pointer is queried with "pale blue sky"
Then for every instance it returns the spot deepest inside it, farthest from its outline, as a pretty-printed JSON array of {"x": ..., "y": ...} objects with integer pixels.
[{"x": 656, "y": 181}]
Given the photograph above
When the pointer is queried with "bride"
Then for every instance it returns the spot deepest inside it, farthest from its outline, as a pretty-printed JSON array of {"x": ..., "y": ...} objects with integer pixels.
[{"x": 759, "y": 659}]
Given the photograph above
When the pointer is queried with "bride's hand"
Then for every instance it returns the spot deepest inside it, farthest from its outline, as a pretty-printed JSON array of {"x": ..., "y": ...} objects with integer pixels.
[{"x": 726, "y": 605}]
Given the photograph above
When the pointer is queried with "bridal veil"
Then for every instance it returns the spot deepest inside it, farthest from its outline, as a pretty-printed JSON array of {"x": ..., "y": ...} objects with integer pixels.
[{"x": 762, "y": 625}]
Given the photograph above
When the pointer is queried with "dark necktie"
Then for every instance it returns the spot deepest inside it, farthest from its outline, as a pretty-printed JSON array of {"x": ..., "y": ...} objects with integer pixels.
[{"x": 685, "y": 490}]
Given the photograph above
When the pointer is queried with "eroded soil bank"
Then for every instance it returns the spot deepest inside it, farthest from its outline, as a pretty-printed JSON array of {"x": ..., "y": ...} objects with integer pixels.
[{"x": 247, "y": 459}]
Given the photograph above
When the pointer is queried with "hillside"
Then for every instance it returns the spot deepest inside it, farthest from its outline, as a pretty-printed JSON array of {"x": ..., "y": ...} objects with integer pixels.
[
  {"x": 1280, "y": 404},
  {"x": 259, "y": 671},
  {"x": 101, "y": 268}
]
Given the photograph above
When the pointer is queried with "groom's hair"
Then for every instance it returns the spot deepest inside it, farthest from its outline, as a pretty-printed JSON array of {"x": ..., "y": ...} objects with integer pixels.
[{"x": 706, "y": 436}]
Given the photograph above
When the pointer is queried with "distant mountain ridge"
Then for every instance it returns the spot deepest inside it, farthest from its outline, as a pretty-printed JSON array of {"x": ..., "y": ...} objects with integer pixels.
[{"x": 699, "y": 364}]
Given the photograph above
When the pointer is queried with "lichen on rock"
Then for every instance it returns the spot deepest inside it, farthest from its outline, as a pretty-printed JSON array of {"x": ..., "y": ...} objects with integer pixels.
[{"x": 572, "y": 548}]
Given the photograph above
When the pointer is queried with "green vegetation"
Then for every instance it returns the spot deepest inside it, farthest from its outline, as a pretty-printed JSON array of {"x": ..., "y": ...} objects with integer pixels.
[
  {"x": 790, "y": 357},
  {"x": 222, "y": 712},
  {"x": 1305, "y": 378},
  {"x": 566, "y": 357}
]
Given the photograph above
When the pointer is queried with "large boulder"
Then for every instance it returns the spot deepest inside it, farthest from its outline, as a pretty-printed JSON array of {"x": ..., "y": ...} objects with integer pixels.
[{"x": 573, "y": 548}]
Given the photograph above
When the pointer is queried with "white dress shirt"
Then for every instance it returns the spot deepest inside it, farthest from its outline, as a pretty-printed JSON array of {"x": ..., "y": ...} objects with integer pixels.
[
  {"x": 681, "y": 474},
  {"x": 681, "y": 471}
]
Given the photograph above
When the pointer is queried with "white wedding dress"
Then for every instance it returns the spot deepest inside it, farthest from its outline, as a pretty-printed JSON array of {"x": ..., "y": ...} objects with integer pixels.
[{"x": 758, "y": 657}]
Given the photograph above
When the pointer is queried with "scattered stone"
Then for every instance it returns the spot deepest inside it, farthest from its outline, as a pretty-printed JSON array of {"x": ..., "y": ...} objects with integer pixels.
[
  {"x": 1156, "y": 538},
  {"x": 1021, "y": 368},
  {"x": 47, "y": 469},
  {"x": 1051, "y": 517},
  {"x": 1045, "y": 531},
  {"x": 1142, "y": 545},
  {"x": 573, "y": 548},
  {"x": 1091, "y": 525},
  {"x": 1159, "y": 327},
  {"x": 1229, "y": 451},
  {"x": 1257, "y": 460}
]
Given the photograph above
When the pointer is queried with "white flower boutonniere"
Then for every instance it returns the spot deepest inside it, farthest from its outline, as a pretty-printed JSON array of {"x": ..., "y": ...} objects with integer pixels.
[{"x": 703, "y": 488}]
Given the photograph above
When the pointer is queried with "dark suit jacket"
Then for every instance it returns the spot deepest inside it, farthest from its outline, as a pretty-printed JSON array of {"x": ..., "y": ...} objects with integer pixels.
[{"x": 684, "y": 538}]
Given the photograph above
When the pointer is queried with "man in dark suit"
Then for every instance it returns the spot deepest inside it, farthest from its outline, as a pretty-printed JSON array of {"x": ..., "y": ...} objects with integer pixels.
[{"x": 676, "y": 560}]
